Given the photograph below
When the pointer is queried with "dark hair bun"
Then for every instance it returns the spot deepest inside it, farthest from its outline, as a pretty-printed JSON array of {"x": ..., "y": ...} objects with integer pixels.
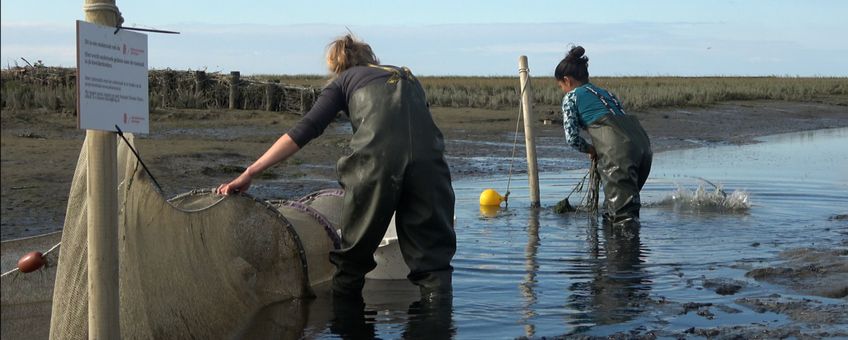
[{"x": 575, "y": 55}]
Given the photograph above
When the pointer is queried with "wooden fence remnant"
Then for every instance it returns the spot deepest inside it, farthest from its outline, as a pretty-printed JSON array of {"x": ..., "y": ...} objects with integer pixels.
[
  {"x": 234, "y": 89},
  {"x": 53, "y": 88}
]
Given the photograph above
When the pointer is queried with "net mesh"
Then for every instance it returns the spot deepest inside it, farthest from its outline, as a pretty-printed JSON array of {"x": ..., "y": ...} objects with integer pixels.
[
  {"x": 316, "y": 240},
  {"x": 196, "y": 266}
]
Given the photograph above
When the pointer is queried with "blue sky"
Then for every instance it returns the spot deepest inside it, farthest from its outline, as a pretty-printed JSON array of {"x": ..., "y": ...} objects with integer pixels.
[{"x": 694, "y": 37}]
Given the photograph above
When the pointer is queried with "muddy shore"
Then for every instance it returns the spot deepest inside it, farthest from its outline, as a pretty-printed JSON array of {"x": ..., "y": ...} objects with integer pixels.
[{"x": 189, "y": 149}]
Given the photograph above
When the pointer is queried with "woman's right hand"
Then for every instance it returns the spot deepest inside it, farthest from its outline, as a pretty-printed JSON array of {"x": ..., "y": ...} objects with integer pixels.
[
  {"x": 240, "y": 184},
  {"x": 282, "y": 149},
  {"x": 593, "y": 155}
]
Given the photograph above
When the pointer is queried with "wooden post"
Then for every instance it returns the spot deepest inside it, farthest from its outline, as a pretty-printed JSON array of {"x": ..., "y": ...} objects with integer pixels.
[
  {"x": 271, "y": 97},
  {"x": 234, "y": 89},
  {"x": 102, "y": 190},
  {"x": 169, "y": 88},
  {"x": 200, "y": 80},
  {"x": 529, "y": 135}
]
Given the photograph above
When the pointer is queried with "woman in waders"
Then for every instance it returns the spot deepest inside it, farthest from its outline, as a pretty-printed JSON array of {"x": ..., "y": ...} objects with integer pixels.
[
  {"x": 619, "y": 143},
  {"x": 397, "y": 165}
]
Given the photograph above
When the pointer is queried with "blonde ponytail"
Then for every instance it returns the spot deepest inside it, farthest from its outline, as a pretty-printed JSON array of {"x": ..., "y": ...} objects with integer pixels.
[{"x": 346, "y": 52}]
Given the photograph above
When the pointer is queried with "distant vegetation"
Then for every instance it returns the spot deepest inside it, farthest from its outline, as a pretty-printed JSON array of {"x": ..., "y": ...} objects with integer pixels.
[
  {"x": 637, "y": 93},
  {"x": 52, "y": 89}
]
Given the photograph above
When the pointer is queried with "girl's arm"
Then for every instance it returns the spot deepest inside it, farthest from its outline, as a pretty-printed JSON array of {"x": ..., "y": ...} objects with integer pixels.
[{"x": 571, "y": 124}]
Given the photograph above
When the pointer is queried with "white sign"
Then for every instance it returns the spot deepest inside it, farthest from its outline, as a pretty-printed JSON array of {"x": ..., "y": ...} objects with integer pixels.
[{"x": 112, "y": 79}]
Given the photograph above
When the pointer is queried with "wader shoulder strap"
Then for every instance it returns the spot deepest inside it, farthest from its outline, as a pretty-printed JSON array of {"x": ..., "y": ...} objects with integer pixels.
[
  {"x": 396, "y": 74},
  {"x": 604, "y": 101}
]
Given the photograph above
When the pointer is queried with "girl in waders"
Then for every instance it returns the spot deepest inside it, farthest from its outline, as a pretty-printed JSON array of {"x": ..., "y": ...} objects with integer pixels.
[
  {"x": 397, "y": 165},
  {"x": 619, "y": 143}
]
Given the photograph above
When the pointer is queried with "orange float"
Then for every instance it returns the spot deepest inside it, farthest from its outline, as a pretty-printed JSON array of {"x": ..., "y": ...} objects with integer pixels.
[{"x": 31, "y": 262}]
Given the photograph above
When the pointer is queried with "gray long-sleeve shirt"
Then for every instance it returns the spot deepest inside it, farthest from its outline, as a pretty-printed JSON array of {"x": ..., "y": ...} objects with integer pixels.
[{"x": 334, "y": 98}]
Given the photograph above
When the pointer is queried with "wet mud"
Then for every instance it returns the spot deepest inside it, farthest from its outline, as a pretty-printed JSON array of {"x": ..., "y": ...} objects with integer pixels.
[
  {"x": 829, "y": 320},
  {"x": 820, "y": 272}
]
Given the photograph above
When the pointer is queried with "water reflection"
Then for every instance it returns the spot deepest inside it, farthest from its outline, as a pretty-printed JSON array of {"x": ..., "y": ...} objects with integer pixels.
[
  {"x": 619, "y": 286},
  {"x": 431, "y": 318},
  {"x": 531, "y": 266},
  {"x": 283, "y": 320},
  {"x": 393, "y": 303},
  {"x": 490, "y": 211},
  {"x": 349, "y": 319}
]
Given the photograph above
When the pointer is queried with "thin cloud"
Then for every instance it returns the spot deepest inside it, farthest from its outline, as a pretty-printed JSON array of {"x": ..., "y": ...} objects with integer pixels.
[
  {"x": 550, "y": 47},
  {"x": 632, "y": 48}
]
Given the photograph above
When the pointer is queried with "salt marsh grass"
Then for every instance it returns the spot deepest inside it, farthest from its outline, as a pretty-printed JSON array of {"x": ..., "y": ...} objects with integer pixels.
[
  {"x": 55, "y": 92},
  {"x": 637, "y": 93}
]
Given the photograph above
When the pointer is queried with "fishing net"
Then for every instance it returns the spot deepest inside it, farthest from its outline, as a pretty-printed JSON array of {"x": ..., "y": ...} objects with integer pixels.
[
  {"x": 196, "y": 266},
  {"x": 317, "y": 235},
  {"x": 329, "y": 202},
  {"x": 589, "y": 202}
]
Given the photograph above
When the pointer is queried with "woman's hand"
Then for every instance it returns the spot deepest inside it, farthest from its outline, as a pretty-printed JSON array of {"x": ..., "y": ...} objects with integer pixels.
[
  {"x": 240, "y": 184},
  {"x": 282, "y": 149},
  {"x": 593, "y": 155}
]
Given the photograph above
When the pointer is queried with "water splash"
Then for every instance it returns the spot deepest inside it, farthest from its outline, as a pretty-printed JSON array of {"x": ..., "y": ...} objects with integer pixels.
[{"x": 702, "y": 199}]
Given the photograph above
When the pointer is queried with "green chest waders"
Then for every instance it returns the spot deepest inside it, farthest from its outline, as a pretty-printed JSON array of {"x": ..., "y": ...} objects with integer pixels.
[
  {"x": 624, "y": 162},
  {"x": 397, "y": 165}
]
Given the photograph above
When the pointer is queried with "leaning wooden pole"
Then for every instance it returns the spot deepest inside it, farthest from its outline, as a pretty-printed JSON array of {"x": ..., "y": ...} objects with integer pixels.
[
  {"x": 529, "y": 134},
  {"x": 102, "y": 200}
]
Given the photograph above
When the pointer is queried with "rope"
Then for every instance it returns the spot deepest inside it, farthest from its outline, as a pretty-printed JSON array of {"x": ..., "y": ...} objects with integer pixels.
[
  {"x": 579, "y": 186},
  {"x": 105, "y": 7},
  {"x": 9, "y": 272},
  {"x": 515, "y": 139},
  {"x": 121, "y": 133},
  {"x": 589, "y": 201},
  {"x": 593, "y": 196},
  {"x": 512, "y": 158}
]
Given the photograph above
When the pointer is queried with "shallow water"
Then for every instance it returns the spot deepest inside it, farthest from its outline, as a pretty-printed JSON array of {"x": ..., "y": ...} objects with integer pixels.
[{"x": 525, "y": 272}]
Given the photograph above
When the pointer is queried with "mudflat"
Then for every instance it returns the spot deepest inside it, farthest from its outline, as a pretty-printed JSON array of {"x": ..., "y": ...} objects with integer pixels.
[{"x": 190, "y": 149}]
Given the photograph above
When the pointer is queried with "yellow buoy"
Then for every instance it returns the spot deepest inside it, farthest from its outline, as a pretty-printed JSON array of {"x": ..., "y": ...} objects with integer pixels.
[{"x": 490, "y": 197}]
